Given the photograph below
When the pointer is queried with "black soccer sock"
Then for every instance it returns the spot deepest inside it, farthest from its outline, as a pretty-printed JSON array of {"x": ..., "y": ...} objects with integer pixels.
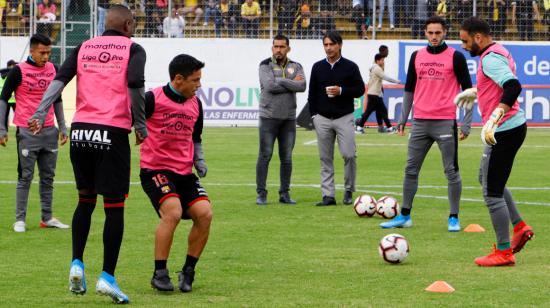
[
  {"x": 453, "y": 215},
  {"x": 112, "y": 233},
  {"x": 405, "y": 212},
  {"x": 160, "y": 264},
  {"x": 82, "y": 219},
  {"x": 190, "y": 261}
]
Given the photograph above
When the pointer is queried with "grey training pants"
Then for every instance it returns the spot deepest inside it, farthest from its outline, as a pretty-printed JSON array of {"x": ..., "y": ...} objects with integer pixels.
[{"x": 31, "y": 149}]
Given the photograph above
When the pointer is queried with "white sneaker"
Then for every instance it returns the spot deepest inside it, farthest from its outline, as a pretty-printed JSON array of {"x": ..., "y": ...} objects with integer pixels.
[
  {"x": 392, "y": 26},
  {"x": 53, "y": 223},
  {"x": 379, "y": 26},
  {"x": 19, "y": 226}
]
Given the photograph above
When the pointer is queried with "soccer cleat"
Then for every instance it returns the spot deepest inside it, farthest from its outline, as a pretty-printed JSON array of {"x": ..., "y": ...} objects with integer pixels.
[
  {"x": 382, "y": 129},
  {"x": 77, "y": 280},
  {"x": 453, "y": 224},
  {"x": 19, "y": 226},
  {"x": 497, "y": 258},
  {"x": 161, "y": 280},
  {"x": 185, "y": 279},
  {"x": 359, "y": 130},
  {"x": 391, "y": 130},
  {"x": 326, "y": 201},
  {"x": 285, "y": 199},
  {"x": 53, "y": 223},
  {"x": 348, "y": 197},
  {"x": 400, "y": 221},
  {"x": 106, "y": 285},
  {"x": 521, "y": 237},
  {"x": 261, "y": 200}
]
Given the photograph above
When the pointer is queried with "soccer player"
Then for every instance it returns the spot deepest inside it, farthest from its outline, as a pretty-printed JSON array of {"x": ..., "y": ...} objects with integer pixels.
[
  {"x": 280, "y": 80},
  {"x": 174, "y": 122},
  {"x": 434, "y": 77},
  {"x": 334, "y": 84},
  {"x": 375, "y": 95},
  {"x": 503, "y": 133},
  {"x": 110, "y": 94},
  {"x": 3, "y": 75},
  {"x": 29, "y": 81}
]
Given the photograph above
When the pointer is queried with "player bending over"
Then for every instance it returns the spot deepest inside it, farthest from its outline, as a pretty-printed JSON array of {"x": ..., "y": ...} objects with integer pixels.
[{"x": 174, "y": 122}]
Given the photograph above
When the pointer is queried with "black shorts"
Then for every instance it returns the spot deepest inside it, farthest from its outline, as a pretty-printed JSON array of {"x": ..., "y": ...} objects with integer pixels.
[
  {"x": 100, "y": 156},
  {"x": 162, "y": 184}
]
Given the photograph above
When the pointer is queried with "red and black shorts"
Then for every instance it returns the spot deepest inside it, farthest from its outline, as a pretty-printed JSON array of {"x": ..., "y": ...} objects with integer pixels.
[
  {"x": 162, "y": 184},
  {"x": 100, "y": 156}
]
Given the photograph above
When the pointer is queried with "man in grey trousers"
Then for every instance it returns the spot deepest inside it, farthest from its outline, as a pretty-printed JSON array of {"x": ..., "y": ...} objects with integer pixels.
[
  {"x": 435, "y": 75},
  {"x": 29, "y": 81},
  {"x": 334, "y": 84},
  {"x": 280, "y": 79}
]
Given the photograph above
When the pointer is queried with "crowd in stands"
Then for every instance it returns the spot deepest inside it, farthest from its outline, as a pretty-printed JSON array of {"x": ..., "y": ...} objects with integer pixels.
[{"x": 509, "y": 19}]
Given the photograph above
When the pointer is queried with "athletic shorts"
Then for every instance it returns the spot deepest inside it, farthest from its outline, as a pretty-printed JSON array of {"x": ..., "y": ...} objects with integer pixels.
[
  {"x": 100, "y": 156},
  {"x": 162, "y": 184}
]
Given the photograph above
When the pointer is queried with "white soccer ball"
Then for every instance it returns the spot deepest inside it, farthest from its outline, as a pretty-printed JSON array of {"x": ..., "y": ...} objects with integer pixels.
[
  {"x": 393, "y": 248},
  {"x": 387, "y": 207},
  {"x": 365, "y": 205}
]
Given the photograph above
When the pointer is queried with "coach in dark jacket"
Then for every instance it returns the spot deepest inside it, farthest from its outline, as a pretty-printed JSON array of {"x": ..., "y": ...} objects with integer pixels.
[{"x": 334, "y": 84}]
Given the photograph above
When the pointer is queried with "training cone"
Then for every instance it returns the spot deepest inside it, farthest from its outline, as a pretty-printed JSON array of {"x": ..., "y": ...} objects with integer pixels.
[
  {"x": 440, "y": 286},
  {"x": 474, "y": 228}
]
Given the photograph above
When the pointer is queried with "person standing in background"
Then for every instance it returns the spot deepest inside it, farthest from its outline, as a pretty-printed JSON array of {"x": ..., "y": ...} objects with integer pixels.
[
  {"x": 334, "y": 84},
  {"x": 280, "y": 80}
]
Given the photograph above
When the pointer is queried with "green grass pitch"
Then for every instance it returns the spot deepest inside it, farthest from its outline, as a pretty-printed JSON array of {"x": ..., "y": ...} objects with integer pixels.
[{"x": 280, "y": 256}]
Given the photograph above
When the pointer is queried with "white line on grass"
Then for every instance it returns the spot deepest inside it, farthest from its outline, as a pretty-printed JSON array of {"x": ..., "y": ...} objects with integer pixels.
[
  {"x": 312, "y": 142},
  {"x": 360, "y": 188}
]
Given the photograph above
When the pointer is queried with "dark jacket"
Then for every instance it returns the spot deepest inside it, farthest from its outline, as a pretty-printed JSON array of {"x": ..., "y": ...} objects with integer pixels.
[{"x": 345, "y": 74}]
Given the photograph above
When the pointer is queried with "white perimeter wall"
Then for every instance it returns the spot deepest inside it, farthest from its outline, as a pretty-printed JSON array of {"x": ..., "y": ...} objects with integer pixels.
[{"x": 230, "y": 79}]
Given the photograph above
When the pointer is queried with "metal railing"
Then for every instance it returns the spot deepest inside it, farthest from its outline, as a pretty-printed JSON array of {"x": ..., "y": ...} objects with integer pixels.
[{"x": 73, "y": 21}]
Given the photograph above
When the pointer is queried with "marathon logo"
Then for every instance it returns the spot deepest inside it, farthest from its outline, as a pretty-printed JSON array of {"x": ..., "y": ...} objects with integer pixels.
[
  {"x": 90, "y": 135},
  {"x": 105, "y": 46},
  {"x": 432, "y": 64},
  {"x": 177, "y": 116},
  {"x": 41, "y": 74}
]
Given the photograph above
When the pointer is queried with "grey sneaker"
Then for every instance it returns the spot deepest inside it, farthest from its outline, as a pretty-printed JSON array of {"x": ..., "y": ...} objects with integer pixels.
[
  {"x": 348, "y": 197},
  {"x": 261, "y": 199},
  {"x": 186, "y": 278},
  {"x": 285, "y": 198},
  {"x": 161, "y": 280}
]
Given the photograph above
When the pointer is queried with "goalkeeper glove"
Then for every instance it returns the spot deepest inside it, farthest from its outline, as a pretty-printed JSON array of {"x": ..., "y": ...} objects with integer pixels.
[
  {"x": 466, "y": 98},
  {"x": 488, "y": 131}
]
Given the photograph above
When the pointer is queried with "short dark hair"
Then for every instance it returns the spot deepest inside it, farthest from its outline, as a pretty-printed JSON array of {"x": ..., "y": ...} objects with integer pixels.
[
  {"x": 475, "y": 25},
  {"x": 333, "y": 36},
  {"x": 382, "y": 48},
  {"x": 281, "y": 37},
  {"x": 40, "y": 39},
  {"x": 185, "y": 65},
  {"x": 436, "y": 20},
  {"x": 11, "y": 62},
  {"x": 378, "y": 56}
]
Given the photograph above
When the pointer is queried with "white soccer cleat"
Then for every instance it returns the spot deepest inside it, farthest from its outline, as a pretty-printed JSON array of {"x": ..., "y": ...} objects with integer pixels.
[
  {"x": 19, "y": 226},
  {"x": 106, "y": 285},
  {"x": 53, "y": 223}
]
